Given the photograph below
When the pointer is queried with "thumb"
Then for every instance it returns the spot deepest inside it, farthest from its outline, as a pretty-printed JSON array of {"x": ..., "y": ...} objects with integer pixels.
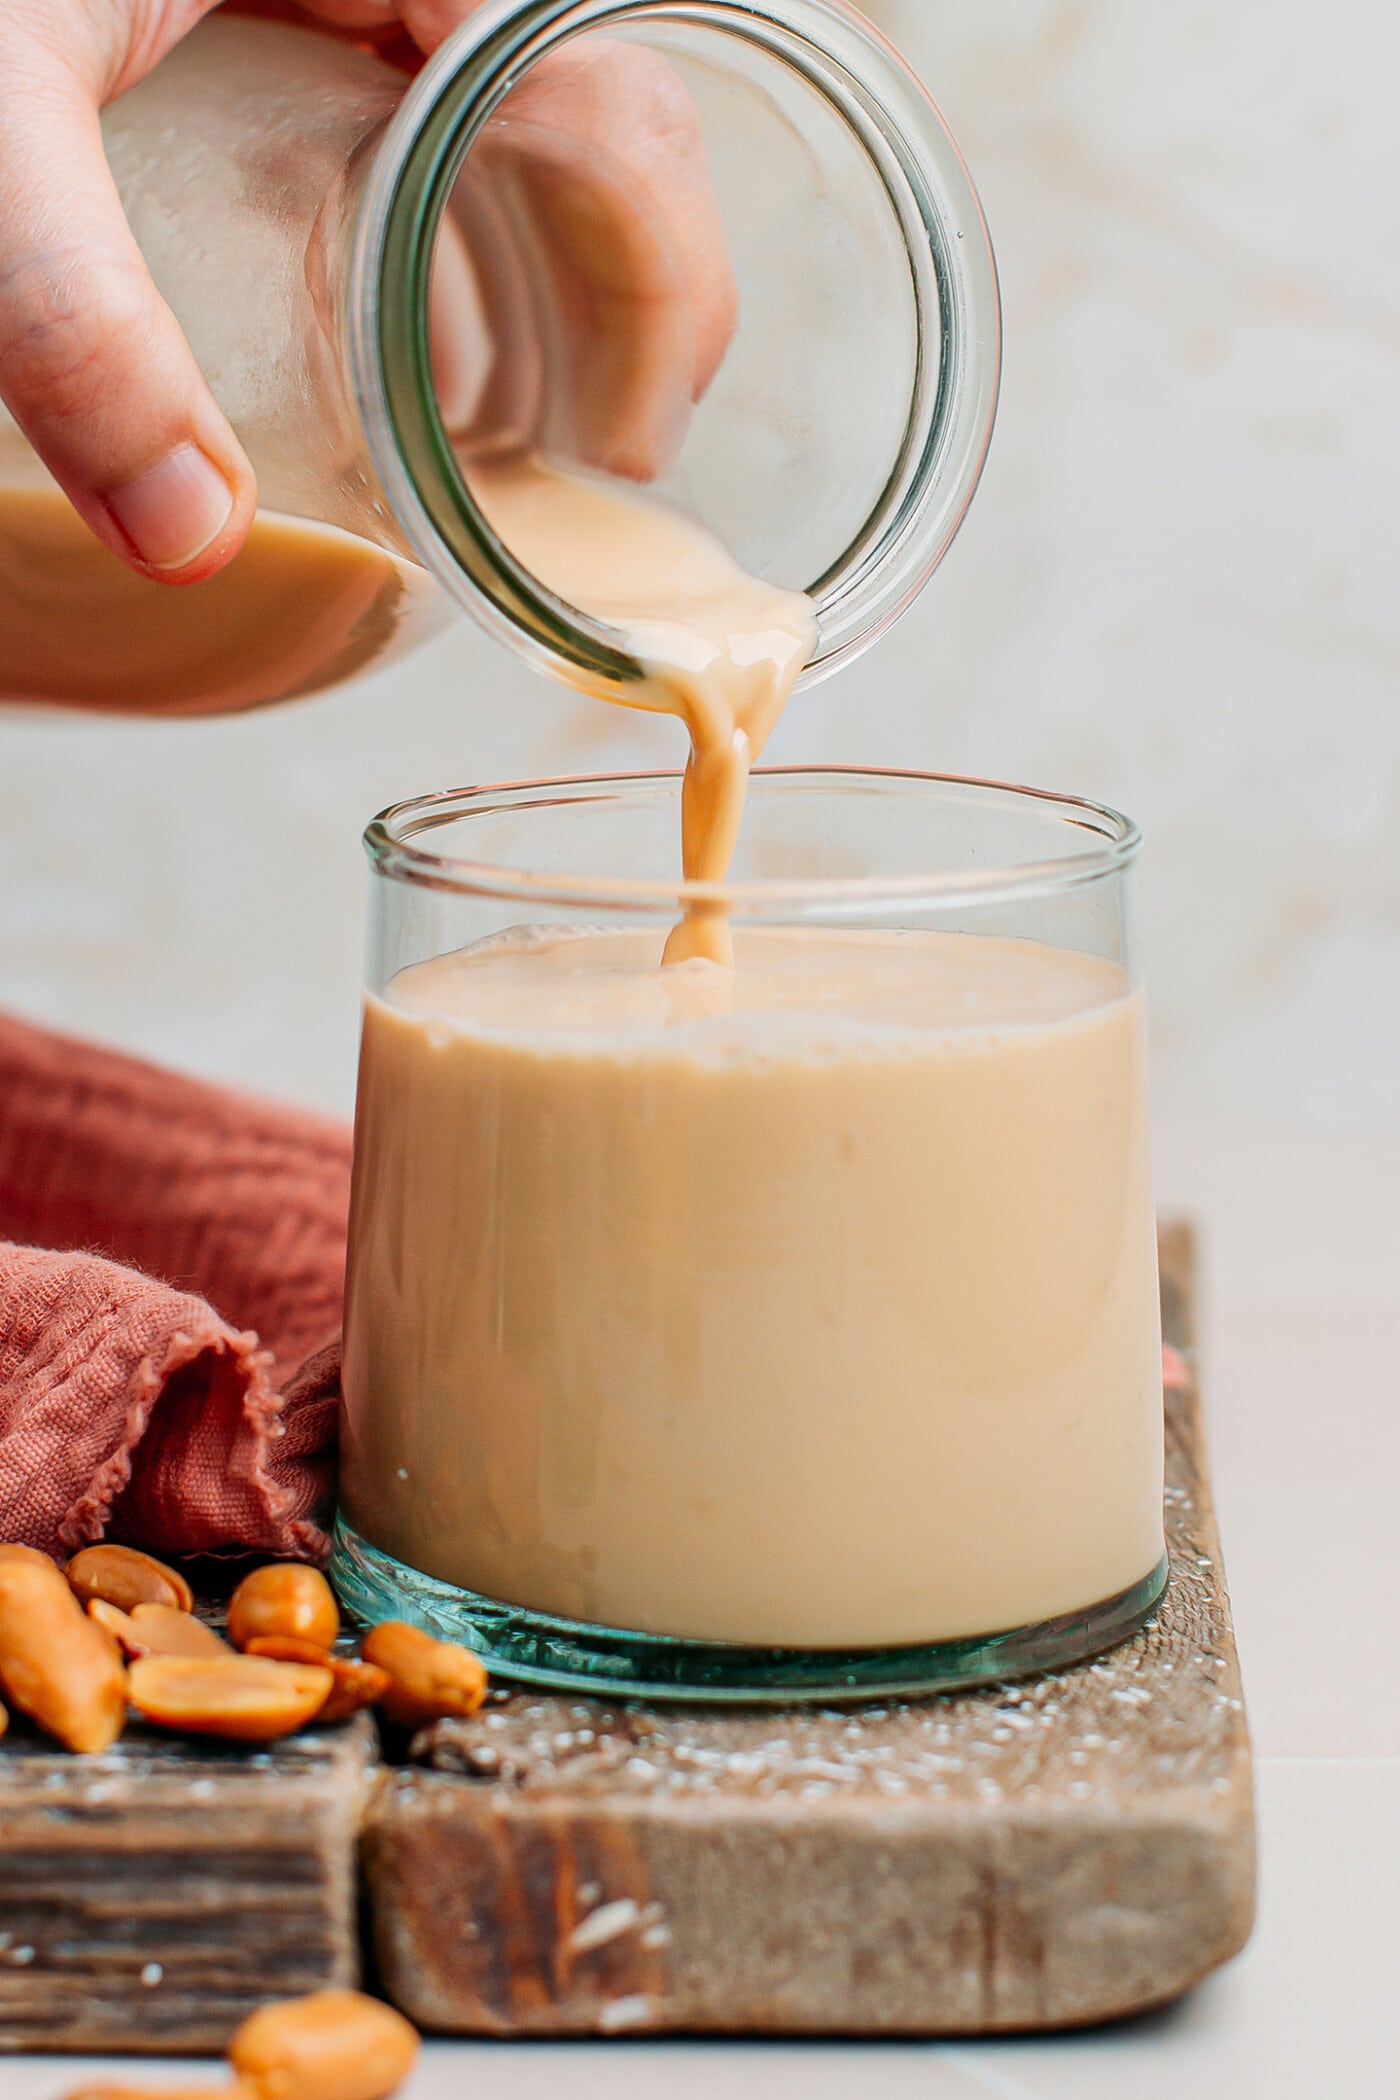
[{"x": 93, "y": 365}]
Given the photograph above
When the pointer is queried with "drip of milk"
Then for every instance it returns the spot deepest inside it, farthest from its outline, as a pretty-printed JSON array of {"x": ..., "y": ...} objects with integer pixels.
[{"x": 719, "y": 648}]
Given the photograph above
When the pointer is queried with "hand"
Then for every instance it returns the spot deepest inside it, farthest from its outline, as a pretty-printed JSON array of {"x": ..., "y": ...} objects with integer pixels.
[
  {"x": 601, "y": 176},
  {"x": 598, "y": 248}
]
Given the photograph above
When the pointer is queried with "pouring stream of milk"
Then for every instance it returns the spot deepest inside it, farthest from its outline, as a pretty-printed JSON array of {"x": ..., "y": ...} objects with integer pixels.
[{"x": 719, "y": 648}]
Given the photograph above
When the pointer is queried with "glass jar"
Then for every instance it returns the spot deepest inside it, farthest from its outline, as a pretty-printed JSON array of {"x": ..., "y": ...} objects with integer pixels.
[
  {"x": 289, "y": 193},
  {"x": 790, "y": 1332}
]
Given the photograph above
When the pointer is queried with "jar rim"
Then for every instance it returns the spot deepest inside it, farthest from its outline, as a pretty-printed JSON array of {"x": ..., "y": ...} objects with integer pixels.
[
  {"x": 1107, "y": 845},
  {"x": 953, "y": 271}
]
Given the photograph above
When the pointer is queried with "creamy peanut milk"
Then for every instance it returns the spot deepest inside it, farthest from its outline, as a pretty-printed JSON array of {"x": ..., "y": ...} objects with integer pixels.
[
  {"x": 821, "y": 1313},
  {"x": 795, "y": 1289},
  {"x": 301, "y": 606}
]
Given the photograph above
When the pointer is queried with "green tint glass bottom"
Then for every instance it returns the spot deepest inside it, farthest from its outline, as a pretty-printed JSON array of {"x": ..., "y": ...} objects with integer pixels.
[{"x": 524, "y": 1647}]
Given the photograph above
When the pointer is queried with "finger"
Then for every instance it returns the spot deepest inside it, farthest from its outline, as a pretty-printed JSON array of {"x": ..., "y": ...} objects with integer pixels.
[
  {"x": 459, "y": 339},
  {"x": 627, "y": 103},
  {"x": 656, "y": 134},
  {"x": 93, "y": 365},
  {"x": 624, "y": 103},
  {"x": 375, "y": 26},
  {"x": 609, "y": 313},
  {"x": 431, "y": 22},
  {"x": 357, "y": 17}
]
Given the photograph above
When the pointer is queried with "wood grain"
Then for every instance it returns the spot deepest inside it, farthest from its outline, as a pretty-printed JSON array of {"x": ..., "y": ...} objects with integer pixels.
[
  {"x": 149, "y": 1898},
  {"x": 1034, "y": 1856}
]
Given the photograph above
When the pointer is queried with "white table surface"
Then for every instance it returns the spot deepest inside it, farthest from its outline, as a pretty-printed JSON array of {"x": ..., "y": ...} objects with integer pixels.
[{"x": 1302, "y": 1349}]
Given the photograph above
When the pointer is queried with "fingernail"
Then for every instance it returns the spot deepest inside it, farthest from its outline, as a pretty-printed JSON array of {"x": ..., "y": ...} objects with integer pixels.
[{"x": 172, "y": 511}]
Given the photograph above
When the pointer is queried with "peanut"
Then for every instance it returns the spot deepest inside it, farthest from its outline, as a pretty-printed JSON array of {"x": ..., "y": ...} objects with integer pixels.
[
  {"x": 333, "y": 2045},
  {"x": 120, "y": 1575},
  {"x": 167, "y": 1632},
  {"x": 234, "y": 2091},
  {"x": 25, "y": 1553},
  {"x": 284, "y": 1597},
  {"x": 243, "y": 1697},
  {"x": 357, "y": 1684},
  {"x": 156, "y": 1629},
  {"x": 55, "y": 1665},
  {"x": 289, "y": 1648},
  {"x": 111, "y": 1621},
  {"x": 430, "y": 1679}
]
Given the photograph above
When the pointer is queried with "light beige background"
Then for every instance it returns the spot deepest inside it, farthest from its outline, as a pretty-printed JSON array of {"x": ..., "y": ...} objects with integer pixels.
[{"x": 1174, "y": 591}]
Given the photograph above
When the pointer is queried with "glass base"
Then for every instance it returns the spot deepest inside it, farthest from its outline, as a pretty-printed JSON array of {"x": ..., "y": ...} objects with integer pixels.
[{"x": 525, "y": 1647}]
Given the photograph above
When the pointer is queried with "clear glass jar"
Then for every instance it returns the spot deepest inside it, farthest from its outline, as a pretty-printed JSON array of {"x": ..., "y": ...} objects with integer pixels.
[
  {"x": 790, "y": 1332},
  {"x": 289, "y": 194}
]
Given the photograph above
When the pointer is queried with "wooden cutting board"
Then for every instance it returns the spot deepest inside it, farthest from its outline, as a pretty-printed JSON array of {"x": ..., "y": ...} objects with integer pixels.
[
  {"x": 1040, "y": 1855},
  {"x": 150, "y": 1898}
]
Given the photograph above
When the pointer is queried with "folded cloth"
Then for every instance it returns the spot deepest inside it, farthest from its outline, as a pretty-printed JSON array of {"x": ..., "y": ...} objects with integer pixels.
[{"x": 172, "y": 1257}]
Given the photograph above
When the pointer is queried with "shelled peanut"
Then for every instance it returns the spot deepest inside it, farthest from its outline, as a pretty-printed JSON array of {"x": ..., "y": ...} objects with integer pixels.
[
  {"x": 357, "y": 1684},
  {"x": 158, "y": 1629},
  {"x": 138, "y": 1643},
  {"x": 233, "y": 2089},
  {"x": 245, "y": 1700},
  {"x": 428, "y": 1680},
  {"x": 55, "y": 1664},
  {"x": 285, "y": 1598},
  {"x": 29, "y": 1553},
  {"x": 126, "y": 1578},
  {"x": 332, "y": 2045}
]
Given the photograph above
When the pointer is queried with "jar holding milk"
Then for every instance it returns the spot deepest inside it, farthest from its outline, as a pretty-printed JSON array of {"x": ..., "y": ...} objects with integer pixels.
[{"x": 382, "y": 281}]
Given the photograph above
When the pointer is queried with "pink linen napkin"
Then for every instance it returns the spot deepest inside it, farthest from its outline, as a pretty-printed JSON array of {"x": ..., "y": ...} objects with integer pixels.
[{"x": 172, "y": 1258}]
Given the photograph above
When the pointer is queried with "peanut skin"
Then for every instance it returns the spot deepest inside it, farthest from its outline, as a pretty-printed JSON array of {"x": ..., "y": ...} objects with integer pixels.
[
  {"x": 288, "y": 1648},
  {"x": 284, "y": 1598},
  {"x": 333, "y": 2045},
  {"x": 429, "y": 1679},
  {"x": 157, "y": 1629},
  {"x": 55, "y": 1665},
  {"x": 111, "y": 1622},
  {"x": 120, "y": 1575},
  {"x": 357, "y": 1684}
]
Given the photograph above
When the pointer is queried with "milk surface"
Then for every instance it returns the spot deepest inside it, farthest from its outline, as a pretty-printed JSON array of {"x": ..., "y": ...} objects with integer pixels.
[{"x": 809, "y": 1304}]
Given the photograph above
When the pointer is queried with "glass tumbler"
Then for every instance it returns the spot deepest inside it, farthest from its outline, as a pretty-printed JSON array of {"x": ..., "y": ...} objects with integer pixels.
[{"x": 783, "y": 1333}]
